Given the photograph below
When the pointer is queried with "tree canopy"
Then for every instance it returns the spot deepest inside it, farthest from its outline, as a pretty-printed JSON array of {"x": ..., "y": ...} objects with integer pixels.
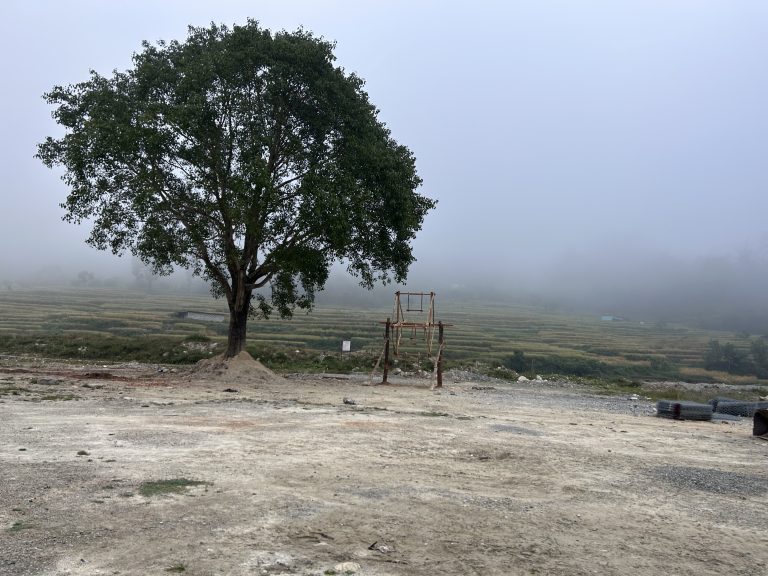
[{"x": 247, "y": 156}]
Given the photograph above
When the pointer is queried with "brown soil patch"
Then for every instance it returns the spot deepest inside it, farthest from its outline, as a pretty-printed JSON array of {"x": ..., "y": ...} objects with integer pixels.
[{"x": 241, "y": 369}]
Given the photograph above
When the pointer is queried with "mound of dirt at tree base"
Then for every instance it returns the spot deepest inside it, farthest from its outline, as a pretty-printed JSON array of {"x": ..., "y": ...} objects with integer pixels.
[{"x": 241, "y": 368}]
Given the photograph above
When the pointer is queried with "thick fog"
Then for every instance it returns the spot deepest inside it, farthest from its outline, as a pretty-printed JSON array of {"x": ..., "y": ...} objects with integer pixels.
[{"x": 595, "y": 155}]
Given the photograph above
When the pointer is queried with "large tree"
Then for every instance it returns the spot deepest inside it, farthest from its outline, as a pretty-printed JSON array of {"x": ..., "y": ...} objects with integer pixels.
[{"x": 246, "y": 156}]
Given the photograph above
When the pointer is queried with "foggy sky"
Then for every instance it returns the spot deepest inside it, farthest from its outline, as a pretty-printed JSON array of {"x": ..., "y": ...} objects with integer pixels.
[{"x": 566, "y": 141}]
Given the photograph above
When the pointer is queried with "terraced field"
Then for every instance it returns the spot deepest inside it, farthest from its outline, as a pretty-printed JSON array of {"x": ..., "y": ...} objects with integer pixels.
[{"x": 64, "y": 319}]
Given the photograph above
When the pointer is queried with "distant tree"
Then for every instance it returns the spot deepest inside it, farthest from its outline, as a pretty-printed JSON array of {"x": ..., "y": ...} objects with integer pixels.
[
  {"x": 759, "y": 352},
  {"x": 85, "y": 278},
  {"x": 142, "y": 274},
  {"x": 246, "y": 156},
  {"x": 727, "y": 357},
  {"x": 518, "y": 362},
  {"x": 713, "y": 357},
  {"x": 736, "y": 361}
]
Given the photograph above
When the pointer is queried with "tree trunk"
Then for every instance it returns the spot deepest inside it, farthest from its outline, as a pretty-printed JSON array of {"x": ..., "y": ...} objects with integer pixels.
[{"x": 238, "y": 319}]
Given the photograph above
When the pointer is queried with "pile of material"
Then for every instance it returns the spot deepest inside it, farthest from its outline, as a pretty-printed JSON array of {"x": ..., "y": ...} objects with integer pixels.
[
  {"x": 721, "y": 408},
  {"x": 736, "y": 407},
  {"x": 683, "y": 410}
]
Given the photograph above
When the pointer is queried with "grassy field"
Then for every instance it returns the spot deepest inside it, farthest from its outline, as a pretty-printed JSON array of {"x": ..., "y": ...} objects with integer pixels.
[{"x": 109, "y": 324}]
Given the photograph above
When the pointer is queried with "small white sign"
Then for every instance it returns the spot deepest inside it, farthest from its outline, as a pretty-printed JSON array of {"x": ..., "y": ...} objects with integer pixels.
[{"x": 346, "y": 345}]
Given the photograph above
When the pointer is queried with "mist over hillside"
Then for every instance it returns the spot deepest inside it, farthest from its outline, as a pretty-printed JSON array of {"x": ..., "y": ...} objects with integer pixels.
[
  {"x": 718, "y": 292},
  {"x": 724, "y": 291}
]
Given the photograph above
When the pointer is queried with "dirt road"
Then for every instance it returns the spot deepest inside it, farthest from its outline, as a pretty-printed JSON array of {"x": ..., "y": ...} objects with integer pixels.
[{"x": 473, "y": 479}]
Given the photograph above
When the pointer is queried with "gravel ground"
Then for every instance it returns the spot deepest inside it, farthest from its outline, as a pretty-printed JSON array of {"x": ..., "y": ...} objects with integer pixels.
[{"x": 314, "y": 475}]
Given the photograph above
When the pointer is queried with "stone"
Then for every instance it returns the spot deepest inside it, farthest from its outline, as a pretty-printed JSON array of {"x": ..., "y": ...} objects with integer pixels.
[{"x": 346, "y": 567}]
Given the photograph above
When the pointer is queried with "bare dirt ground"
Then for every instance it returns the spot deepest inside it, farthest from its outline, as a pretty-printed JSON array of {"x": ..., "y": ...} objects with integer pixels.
[{"x": 477, "y": 478}]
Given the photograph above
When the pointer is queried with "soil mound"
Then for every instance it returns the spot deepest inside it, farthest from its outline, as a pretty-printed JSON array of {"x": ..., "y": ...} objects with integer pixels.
[{"x": 241, "y": 368}]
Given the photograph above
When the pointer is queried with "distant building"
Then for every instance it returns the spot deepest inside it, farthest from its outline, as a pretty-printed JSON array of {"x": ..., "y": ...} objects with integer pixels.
[
  {"x": 610, "y": 318},
  {"x": 203, "y": 316}
]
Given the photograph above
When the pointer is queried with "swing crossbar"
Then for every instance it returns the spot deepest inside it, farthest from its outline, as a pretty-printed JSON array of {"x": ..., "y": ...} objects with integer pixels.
[{"x": 412, "y": 307}]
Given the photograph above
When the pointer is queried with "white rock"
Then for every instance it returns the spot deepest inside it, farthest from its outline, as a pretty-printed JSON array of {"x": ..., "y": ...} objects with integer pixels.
[
  {"x": 347, "y": 567},
  {"x": 523, "y": 379}
]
